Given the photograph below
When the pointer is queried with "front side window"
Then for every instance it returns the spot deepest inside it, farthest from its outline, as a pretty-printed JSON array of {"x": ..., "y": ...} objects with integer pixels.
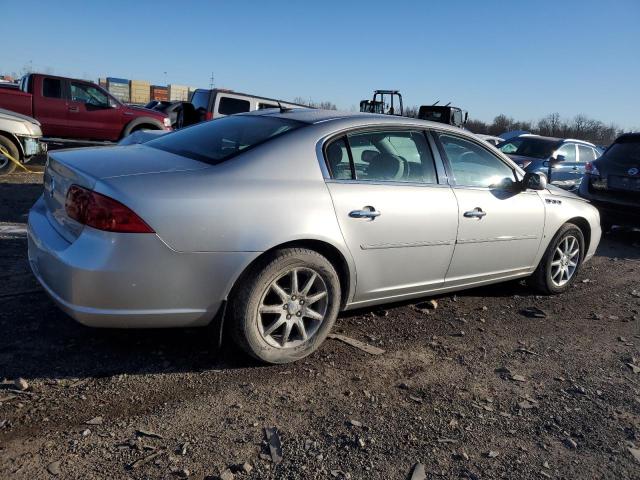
[
  {"x": 82, "y": 92},
  {"x": 587, "y": 154},
  {"x": 52, "y": 88},
  {"x": 218, "y": 140},
  {"x": 262, "y": 106},
  {"x": 568, "y": 150},
  {"x": 472, "y": 165},
  {"x": 399, "y": 156},
  {"x": 230, "y": 106}
]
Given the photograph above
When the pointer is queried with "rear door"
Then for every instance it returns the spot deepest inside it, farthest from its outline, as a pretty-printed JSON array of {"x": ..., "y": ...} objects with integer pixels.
[
  {"x": 91, "y": 113},
  {"x": 398, "y": 221},
  {"x": 499, "y": 228},
  {"x": 50, "y": 106}
]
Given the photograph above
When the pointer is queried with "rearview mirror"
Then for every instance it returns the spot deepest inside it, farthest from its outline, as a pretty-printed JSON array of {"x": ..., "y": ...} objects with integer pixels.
[{"x": 534, "y": 181}]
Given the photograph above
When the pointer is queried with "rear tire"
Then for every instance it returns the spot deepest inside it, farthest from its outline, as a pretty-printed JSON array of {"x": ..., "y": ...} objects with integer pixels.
[
  {"x": 277, "y": 319},
  {"x": 6, "y": 165},
  {"x": 561, "y": 262}
]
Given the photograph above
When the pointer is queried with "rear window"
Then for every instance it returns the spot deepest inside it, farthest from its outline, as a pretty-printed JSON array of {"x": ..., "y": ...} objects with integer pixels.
[
  {"x": 229, "y": 106},
  {"x": 52, "y": 88},
  {"x": 625, "y": 153},
  {"x": 218, "y": 140}
]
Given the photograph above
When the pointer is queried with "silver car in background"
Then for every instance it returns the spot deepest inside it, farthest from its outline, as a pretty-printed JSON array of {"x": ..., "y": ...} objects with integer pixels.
[{"x": 281, "y": 218}]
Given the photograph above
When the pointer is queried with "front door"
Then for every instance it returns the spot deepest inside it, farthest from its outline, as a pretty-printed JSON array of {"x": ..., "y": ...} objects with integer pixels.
[
  {"x": 91, "y": 113},
  {"x": 570, "y": 171},
  {"x": 500, "y": 229},
  {"x": 398, "y": 222}
]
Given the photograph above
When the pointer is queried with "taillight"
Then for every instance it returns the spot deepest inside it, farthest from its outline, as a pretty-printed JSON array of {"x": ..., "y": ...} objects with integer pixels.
[
  {"x": 591, "y": 169},
  {"x": 101, "y": 212},
  {"x": 208, "y": 116}
]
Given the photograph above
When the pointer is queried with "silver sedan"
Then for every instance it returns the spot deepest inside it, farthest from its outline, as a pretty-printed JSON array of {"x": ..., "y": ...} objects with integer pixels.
[{"x": 276, "y": 220}]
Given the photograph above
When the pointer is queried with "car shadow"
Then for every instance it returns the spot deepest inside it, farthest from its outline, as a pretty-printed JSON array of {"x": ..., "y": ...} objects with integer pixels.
[
  {"x": 17, "y": 199},
  {"x": 621, "y": 243}
]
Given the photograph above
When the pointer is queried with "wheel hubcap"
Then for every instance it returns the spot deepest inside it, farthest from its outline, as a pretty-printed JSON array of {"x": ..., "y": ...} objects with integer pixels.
[
  {"x": 4, "y": 161},
  {"x": 292, "y": 308},
  {"x": 565, "y": 260}
]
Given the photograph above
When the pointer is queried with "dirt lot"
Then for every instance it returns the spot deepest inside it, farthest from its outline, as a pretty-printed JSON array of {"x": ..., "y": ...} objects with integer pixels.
[{"x": 474, "y": 389}]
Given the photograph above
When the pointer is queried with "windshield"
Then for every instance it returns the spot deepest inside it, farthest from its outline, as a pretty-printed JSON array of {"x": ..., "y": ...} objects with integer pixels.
[
  {"x": 529, "y": 147},
  {"x": 215, "y": 141},
  {"x": 625, "y": 153}
]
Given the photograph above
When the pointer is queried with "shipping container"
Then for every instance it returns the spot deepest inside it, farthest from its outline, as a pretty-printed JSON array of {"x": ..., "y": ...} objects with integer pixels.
[
  {"x": 140, "y": 91},
  {"x": 119, "y": 88},
  {"x": 159, "y": 93},
  {"x": 178, "y": 93}
]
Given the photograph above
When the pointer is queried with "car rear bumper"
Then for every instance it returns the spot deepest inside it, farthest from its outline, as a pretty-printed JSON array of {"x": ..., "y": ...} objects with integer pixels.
[
  {"x": 612, "y": 210},
  {"x": 118, "y": 280}
]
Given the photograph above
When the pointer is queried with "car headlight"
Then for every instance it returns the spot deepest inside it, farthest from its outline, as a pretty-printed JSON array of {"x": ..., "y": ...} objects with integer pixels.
[{"x": 167, "y": 122}]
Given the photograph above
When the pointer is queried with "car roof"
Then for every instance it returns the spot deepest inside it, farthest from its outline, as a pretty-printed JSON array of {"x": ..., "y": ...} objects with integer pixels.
[
  {"x": 555, "y": 139},
  {"x": 314, "y": 116}
]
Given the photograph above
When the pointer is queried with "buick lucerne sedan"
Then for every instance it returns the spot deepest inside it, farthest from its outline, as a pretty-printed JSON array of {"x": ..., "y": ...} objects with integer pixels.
[{"x": 278, "y": 219}]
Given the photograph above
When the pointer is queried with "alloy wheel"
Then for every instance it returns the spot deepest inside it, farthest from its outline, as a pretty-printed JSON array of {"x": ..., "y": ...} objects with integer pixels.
[
  {"x": 293, "y": 308},
  {"x": 565, "y": 260}
]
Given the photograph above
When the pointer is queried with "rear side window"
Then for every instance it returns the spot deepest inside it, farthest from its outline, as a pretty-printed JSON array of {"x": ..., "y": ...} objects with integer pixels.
[
  {"x": 398, "y": 156},
  {"x": 586, "y": 154},
  {"x": 52, "y": 88},
  {"x": 218, "y": 140},
  {"x": 230, "y": 106},
  {"x": 337, "y": 155}
]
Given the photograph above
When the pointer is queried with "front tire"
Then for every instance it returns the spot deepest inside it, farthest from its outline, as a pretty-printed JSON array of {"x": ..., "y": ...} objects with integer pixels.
[
  {"x": 561, "y": 262},
  {"x": 6, "y": 165},
  {"x": 285, "y": 306}
]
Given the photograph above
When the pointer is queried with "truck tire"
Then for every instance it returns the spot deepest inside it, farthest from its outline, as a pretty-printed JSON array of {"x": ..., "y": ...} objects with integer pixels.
[
  {"x": 140, "y": 124},
  {"x": 6, "y": 165},
  {"x": 187, "y": 115}
]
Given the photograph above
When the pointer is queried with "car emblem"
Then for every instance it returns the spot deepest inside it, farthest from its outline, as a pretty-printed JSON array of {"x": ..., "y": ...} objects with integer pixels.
[{"x": 633, "y": 171}]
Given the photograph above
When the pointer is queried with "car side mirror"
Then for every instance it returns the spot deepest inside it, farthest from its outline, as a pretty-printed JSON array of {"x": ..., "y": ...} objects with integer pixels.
[
  {"x": 555, "y": 160},
  {"x": 533, "y": 181}
]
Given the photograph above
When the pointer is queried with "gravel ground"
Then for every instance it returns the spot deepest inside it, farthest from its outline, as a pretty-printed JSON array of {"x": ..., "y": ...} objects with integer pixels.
[{"x": 473, "y": 389}]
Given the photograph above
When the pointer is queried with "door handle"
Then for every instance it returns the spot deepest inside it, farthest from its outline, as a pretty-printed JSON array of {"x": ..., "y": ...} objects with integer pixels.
[
  {"x": 475, "y": 213},
  {"x": 74, "y": 109},
  {"x": 575, "y": 168},
  {"x": 366, "y": 212}
]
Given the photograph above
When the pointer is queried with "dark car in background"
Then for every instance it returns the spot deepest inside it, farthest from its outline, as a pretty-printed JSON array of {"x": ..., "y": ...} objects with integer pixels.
[
  {"x": 612, "y": 182},
  {"x": 562, "y": 160}
]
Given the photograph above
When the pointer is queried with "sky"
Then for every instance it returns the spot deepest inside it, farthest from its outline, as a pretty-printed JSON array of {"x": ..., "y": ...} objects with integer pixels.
[{"x": 523, "y": 59}]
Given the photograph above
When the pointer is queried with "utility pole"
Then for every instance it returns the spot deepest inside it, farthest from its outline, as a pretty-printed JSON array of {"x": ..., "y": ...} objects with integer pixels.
[{"x": 211, "y": 81}]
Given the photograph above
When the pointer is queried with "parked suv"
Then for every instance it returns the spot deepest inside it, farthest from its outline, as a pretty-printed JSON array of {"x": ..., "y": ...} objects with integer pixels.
[
  {"x": 562, "y": 160},
  {"x": 208, "y": 104},
  {"x": 612, "y": 182}
]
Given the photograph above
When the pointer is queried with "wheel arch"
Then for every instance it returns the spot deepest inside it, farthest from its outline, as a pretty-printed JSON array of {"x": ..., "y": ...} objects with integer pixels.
[
  {"x": 583, "y": 224},
  {"x": 331, "y": 252},
  {"x": 141, "y": 122},
  {"x": 11, "y": 137}
]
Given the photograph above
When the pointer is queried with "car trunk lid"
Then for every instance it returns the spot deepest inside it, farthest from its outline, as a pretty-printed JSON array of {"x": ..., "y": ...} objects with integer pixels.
[{"x": 85, "y": 167}]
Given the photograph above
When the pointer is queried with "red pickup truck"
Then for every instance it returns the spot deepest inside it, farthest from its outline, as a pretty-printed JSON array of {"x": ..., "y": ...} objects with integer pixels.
[{"x": 77, "y": 109}]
